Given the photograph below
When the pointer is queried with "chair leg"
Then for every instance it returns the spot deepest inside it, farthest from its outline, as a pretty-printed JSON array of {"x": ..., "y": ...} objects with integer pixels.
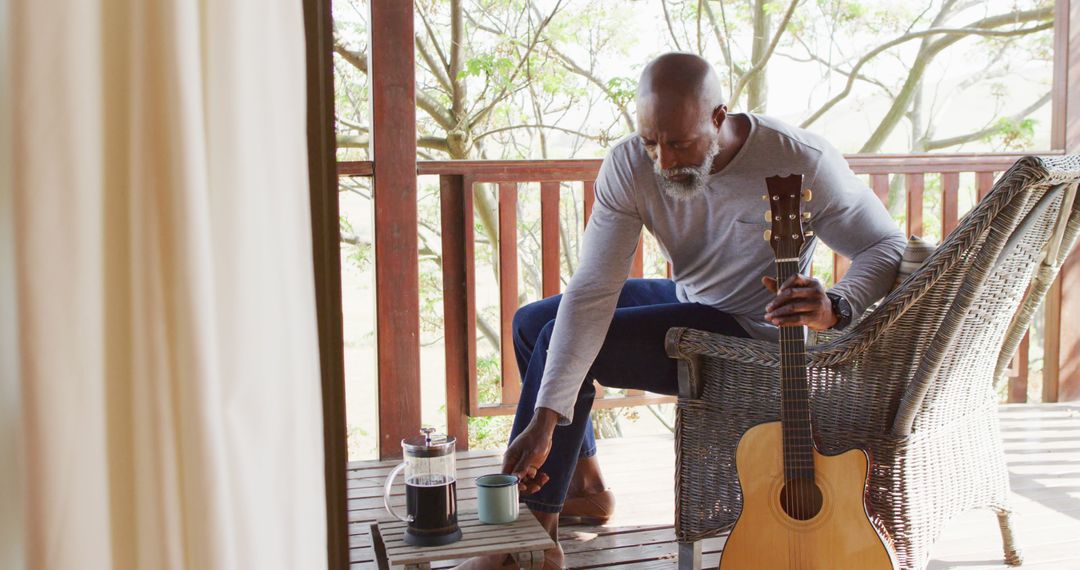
[
  {"x": 1013, "y": 555},
  {"x": 690, "y": 555}
]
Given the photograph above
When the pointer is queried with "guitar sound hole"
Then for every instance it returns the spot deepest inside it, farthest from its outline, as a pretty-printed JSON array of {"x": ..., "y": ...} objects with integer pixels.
[{"x": 801, "y": 499}]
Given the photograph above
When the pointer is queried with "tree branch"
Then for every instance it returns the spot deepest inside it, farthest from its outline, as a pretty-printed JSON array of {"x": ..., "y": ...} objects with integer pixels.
[
  {"x": 572, "y": 66},
  {"x": 436, "y": 70},
  {"x": 959, "y": 32},
  {"x": 671, "y": 29},
  {"x": 479, "y": 116},
  {"x": 724, "y": 42},
  {"x": 434, "y": 143},
  {"x": 434, "y": 40},
  {"x": 904, "y": 97},
  {"x": 424, "y": 101},
  {"x": 598, "y": 138},
  {"x": 811, "y": 57},
  {"x": 356, "y": 59},
  {"x": 353, "y": 141},
  {"x": 352, "y": 125},
  {"x": 961, "y": 139},
  {"x": 760, "y": 63},
  {"x": 363, "y": 140},
  {"x": 700, "y": 46},
  {"x": 353, "y": 239},
  {"x": 457, "y": 54}
]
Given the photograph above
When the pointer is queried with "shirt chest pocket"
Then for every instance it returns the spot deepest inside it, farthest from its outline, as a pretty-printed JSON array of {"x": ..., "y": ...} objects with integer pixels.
[{"x": 749, "y": 238}]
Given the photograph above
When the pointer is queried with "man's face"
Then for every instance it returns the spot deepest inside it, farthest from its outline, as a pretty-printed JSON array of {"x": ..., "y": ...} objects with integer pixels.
[{"x": 682, "y": 140}]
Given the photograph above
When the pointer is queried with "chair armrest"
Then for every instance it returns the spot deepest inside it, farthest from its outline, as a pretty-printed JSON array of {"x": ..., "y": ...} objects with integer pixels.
[
  {"x": 689, "y": 345},
  {"x": 685, "y": 343}
]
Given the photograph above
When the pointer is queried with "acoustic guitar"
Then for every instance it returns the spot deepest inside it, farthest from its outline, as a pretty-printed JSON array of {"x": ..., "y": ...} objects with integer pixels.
[{"x": 801, "y": 509}]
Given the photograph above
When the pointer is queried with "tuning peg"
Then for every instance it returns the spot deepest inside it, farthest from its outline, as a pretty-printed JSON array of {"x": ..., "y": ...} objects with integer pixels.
[
  {"x": 768, "y": 216},
  {"x": 806, "y": 215},
  {"x": 768, "y": 235},
  {"x": 765, "y": 197},
  {"x": 807, "y": 194},
  {"x": 809, "y": 234}
]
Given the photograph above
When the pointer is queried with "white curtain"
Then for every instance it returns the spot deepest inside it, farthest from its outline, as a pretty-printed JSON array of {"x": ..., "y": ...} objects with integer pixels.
[{"x": 160, "y": 361}]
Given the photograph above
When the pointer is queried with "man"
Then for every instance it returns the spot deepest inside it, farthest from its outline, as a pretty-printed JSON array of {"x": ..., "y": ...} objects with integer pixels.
[{"x": 693, "y": 175}]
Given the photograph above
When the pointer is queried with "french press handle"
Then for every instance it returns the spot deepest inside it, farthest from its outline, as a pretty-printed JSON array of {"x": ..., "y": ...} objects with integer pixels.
[{"x": 386, "y": 494}]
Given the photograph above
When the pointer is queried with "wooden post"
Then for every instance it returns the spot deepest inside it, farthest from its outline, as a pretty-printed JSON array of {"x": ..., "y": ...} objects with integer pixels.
[
  {"x": 984, "y": 183},
  {"x": 589, "y": 197},
  {"x": 880, "y": 184},
  {"x": 1018, "y": 373},
  {"x": 326, "y": 258},
  {"x": 549, "y": 238},
  {"x": 397, "y": 281},
  {"x": 508, "y": 289},
  {"x": 915, "y": 184},
  {"x": 1065, "y": 303},
  {"x": 459, "y": 303},
  {"x": 950, "y": 206},
  {"x": 840, "y": 267},
  {"x": 637, "y": 268}
]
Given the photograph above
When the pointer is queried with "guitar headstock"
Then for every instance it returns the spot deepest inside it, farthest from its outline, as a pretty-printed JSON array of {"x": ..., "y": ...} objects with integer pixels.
[{"x": 785, "y": 198}]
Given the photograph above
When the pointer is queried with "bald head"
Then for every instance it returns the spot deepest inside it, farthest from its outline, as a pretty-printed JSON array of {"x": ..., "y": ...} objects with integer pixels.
[
  {"x": 681, "y": 113},
  {"x": 680, "y": 79}
]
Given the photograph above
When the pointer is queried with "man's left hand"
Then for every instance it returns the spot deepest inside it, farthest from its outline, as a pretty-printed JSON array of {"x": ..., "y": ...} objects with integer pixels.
[{"x": 800, "y": 300}]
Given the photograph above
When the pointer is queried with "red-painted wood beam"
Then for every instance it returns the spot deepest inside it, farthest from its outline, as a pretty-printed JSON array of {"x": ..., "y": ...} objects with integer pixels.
[{"x": 393, "y": 147}]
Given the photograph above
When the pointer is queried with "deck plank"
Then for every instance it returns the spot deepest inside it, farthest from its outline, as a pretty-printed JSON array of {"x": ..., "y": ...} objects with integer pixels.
[{"x": 1042, "y": 447}]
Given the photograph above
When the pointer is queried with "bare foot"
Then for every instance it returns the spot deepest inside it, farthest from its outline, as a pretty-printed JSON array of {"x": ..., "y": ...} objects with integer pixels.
[{"x": 554, "y": 559}]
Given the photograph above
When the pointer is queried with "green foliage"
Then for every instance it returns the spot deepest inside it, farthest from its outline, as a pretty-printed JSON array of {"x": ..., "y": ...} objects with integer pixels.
[
  {"x": 623, "y": 90},
  {"x": 488, "y": 65},
  {"x": 1013, "y": 135},
  {"x": 489, "y": 432},
  {"x": 488, "y": 378},
  {"x": 359, "y": 254},
  {"x": 356, "y": 435}
]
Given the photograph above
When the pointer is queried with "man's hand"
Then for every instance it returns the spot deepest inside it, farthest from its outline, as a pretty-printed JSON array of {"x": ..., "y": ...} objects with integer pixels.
[
  {"x": 529, "y": 450},
  {"x": 800, "y": 301}
]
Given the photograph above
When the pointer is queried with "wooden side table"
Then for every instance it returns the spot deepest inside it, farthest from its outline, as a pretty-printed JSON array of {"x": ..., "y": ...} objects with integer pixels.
[{"x": 524, "y": 539}]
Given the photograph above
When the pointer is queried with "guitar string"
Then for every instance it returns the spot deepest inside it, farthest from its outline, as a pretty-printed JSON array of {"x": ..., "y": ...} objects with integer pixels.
[
  {"x": 795, "y": 409},
  {"x": 796, "y": 431},
  {"x": 788, "y": 503},
  {"x": 788, "y": 496},
  {"x": 787, "y": 425},
  {"x": 793, "y": 496},
  {"x": 795, "y": 421}
]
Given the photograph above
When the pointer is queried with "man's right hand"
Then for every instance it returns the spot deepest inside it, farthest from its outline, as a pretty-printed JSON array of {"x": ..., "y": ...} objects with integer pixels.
[{"x": 529, "y": 450}]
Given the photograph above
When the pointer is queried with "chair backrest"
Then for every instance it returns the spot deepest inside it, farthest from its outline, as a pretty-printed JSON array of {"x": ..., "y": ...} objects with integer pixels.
[{"x": 953, "y": 322}]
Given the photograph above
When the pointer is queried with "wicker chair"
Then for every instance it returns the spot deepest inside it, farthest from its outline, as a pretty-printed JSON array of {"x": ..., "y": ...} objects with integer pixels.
[{"x": 913, "y": 382}]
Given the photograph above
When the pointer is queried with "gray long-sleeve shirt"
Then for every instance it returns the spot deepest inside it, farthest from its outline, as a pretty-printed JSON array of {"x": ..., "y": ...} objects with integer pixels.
[{"x": 714, "y": 242}]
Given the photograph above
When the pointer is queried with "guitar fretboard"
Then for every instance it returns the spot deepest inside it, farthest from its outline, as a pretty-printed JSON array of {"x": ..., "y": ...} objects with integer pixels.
[{"x": 795, "y": 393}]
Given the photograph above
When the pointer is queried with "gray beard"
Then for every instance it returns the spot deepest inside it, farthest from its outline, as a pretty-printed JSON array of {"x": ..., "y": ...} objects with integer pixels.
[{"x": 699, "y": 176}]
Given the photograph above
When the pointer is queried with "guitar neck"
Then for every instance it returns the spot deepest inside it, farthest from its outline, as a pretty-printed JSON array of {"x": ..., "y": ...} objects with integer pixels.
[{"x": 794, "y": 392}]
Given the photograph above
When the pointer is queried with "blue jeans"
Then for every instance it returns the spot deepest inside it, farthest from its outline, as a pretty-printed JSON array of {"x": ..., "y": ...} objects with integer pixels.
[{"x": 632, "y": 357}]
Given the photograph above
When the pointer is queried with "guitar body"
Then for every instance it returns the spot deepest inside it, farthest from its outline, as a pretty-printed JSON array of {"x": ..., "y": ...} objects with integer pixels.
[{"x": 838, "y": 535}]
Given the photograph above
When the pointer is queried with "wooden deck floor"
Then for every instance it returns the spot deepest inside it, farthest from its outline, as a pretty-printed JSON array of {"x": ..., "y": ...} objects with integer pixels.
[{"x": 1042, "y": 444}]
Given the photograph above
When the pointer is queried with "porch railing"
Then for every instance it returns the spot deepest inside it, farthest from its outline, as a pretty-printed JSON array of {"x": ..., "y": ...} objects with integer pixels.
[{"x": 456, "y": 181}]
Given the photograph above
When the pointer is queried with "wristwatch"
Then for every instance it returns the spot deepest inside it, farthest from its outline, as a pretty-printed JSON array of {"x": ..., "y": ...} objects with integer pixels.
[{"x": 842, "y": 309}]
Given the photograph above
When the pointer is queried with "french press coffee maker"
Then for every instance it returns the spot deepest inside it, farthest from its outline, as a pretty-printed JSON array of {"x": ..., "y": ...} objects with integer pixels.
[{"x": 430, "y": 490}]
